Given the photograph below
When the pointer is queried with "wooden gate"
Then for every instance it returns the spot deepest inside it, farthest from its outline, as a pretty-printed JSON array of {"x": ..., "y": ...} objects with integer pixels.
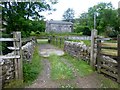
[
  {"x": 109, "y": 64},
  {"x": 14, "y": 57}
]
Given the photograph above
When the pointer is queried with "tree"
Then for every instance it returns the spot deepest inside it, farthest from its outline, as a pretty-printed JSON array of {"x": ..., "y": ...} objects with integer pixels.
[
  {"x": 84, "y": 19},
  {"x": 106, "y": 19},
  {"x": 18, "y": 15},
  {"x": 69, "y": 15},
  {"x": 99, "y": 9}
]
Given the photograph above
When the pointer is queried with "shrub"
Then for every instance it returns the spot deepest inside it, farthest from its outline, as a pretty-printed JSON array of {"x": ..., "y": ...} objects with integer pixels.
[
  {"x": 111, "y": 33},
  {"x": 84, "y": 29},
  {"x": 32, "y": 33}
]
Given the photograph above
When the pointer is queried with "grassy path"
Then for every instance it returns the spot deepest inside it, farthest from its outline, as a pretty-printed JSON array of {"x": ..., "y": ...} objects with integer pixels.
[
  {"x": 67, "y": 72},
  {"x": 44, "y": 80}
]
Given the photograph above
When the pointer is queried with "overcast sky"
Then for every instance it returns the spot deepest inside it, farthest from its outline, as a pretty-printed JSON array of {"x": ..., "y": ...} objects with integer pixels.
[{"x": 79, "y": 6}]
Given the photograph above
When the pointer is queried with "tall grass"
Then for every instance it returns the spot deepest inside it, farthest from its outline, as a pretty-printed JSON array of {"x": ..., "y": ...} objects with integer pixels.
[
  {"x": 59, "y": 70},
  {"x": 81, "y": 66},
  {"x": 32, "y": 70}
]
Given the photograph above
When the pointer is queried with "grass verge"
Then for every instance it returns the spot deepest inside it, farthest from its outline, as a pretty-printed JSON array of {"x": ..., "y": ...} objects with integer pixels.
[
  {"x": 81, "y": 66},
  {"x": 107, "y": 83},
  {"x": 15, "y": 84},
  {"x": 59, "y": 71},
  {"x": 32, "y": 70}
]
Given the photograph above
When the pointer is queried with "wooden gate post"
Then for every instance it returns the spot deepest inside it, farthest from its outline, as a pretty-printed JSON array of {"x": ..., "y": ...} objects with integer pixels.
[
  {"x": 92, "y": 55},
  {"x": 60, "y": 41},
  {"x": 50, "y": 39},
  {"x": 56, "y": 41},
  {"x": 98, "y": 55},
  {"x": 18, "y": 62},
  {"x": 118, "y": 60},
  {"x": 1, "y": 75}
]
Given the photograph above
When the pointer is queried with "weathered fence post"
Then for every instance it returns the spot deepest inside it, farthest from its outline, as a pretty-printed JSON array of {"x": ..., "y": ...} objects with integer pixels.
[
  {"x": 118, "y": 60},
  {"x": 92, "y": 56},
  {"x": 1, "y": 75},
  {"x": 51, "y": 39},
  {"x": 60, "y": 41},
  {"x": 18, "y": 62},
  {"x": 56, "y": 41},
  {"x": 98, "y": 55}
]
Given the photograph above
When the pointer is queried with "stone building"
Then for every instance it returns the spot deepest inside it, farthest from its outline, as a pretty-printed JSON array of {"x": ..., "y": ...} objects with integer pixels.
[{"x": 58, "y": 26}]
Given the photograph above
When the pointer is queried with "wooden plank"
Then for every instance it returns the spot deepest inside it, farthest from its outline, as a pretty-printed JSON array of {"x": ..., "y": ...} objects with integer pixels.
[
  {"x": 19, "y": 60},
  {"x": 115, "y": 48},
  {"x": 16, "y": 52},
  {"x": 110, "y": 68},
  {"x": 111, "y": 56},
  {"x": 13, "y": 48},
  {"x": 98, "y": 55},
  {"x": 10, "y": 57},
  {"x": 8, "y": 39},
  {"x": 109, "y": 73},
  {"x": 108, "y": 61}
]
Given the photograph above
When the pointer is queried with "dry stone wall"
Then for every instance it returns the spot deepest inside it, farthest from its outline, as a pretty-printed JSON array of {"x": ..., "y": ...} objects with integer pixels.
[
  {"x": 27, "y": 50},
  {"x": 77, "y": 49}
]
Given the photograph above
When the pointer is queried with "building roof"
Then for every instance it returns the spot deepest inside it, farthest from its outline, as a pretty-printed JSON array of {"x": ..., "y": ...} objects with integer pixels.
[{"x": 59, "y": 22}]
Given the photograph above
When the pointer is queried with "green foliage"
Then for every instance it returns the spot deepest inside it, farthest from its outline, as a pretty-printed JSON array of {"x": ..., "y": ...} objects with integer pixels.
[
  {"x": 79, "y": 29},
  {"x": 81, "y": 66},
  {"x": 59, "y": 70},
  {"x": 32, "y": 33},
  {"x": 111, "y": 33},
  {"x": 60, "y": 45},
  {"x": 32, "y": 70},
  {"x": 84, "y": 29},
  {"x": 38, "y": 26},
  {"x": 107, "y": 83},
  {"x": 87, "y": 42},
  {"x": 15, "y": 84},
  {"x": 106, "y": 16},
  {"x": 18, "y": 16}
]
